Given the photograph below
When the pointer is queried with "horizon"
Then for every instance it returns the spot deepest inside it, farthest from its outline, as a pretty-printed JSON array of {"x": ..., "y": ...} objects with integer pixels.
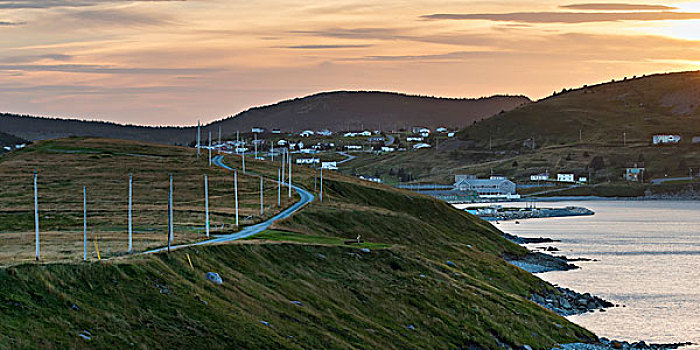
[{"x": 172, "y": 63}]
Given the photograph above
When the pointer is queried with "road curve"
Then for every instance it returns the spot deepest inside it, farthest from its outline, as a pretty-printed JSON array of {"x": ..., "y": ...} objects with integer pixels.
[{"x": 306, "y": 197}]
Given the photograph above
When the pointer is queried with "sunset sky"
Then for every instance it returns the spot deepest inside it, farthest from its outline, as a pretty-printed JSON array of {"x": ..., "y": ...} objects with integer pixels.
[{"x": 173, "y": 62}]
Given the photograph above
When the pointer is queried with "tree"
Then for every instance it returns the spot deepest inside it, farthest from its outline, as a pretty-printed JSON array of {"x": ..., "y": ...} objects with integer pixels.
[{"x": 597, "y": 163}]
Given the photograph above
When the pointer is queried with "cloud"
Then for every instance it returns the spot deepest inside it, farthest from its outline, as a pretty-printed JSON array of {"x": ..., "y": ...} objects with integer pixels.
[
  {"x": 323, "y": 47},
  {"x": 123, "y": 17},
  {"x": 43, "y": 4},
  {"x": 353, "y": 33},
  {"x": 449, "y": 56},
  {"x": 100, "y": 69},
  {"x": 34, "y": 58},
  {"x": 618, "y": 7},
  {"x": 9, "y": 24},
  {"x": 567, "y": 17}
]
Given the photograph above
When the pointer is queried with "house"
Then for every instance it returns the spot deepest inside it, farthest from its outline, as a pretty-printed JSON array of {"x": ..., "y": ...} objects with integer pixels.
[
  {"x": 441, "y": 129},
  {"x": 666, "y": 139},
  {"x": 496, "y": 186},
  {"x": 420, "y": 130},
  {"x": 7, "y": 148},
  {"x": 282, "y": 143},
  {"x": 388, "y": 149},
  {"x": 325, "y": 132},
  {"x": 376, "y": 139},
  {"x": 634, "y": 173},
  {"x": 565, "y": 178},
  {"x": 370, "y": 178},
  {"x": 365, "y": 133},
  {"x": 307, "y": 160},
  {"x": 308, "y": 151},
  {"x": 354, "y": 147},
  {"x": 582, "y": 179},
  {"x": 276, "y": 131},
  {"x": 307, "y": 133},
  {"x": 540, "y": 177},
  {"x": 414, "y": 139},
  {"x": 696, "y": 140},
  {"x": 329, "y": 165},
  {"x": 257, "y": 130},
  {"x": 450, "y": 134},
  {"x": 240, "y": 150},
  {"x": 425, "y": 134},
  {"x": 350, "y": 134},
  {"x": 421, "y": 145}
]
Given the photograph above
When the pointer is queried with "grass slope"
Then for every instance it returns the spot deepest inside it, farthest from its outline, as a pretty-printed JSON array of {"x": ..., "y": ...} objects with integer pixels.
[{"x": 402, "y": 294}]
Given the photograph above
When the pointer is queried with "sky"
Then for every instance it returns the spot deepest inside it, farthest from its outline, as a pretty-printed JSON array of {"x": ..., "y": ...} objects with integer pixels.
[{"x": 170, "y": 62}]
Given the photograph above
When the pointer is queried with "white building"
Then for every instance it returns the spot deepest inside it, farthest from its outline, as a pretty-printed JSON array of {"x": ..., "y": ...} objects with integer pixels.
[
  {"x": 582, "y": 179},
  {"x": 441, "y": 129},
  {"x": 365, "y": 133},
  {"x": 353, "y": 147},
  {"x": 450, "y": 134},
  {"x": 307, "y": 133},
  {"x": 276, "y": 131},
  {"x": 414, "y": 139},
  {"x": 420, "y": 130},
  {"x": 566, "y": 178},
  {"x": 350, "y": 134},
  {"x": 329, "y": 165},
  {"x": 666, "y": 139},
  {"x": 539, "y": 177},
  {"x": 370, "y": 178},
  {"x": 421, "y": 145},
  {"x": 494, "y": 186},
  {"x": 282, "y": 143},
  {"x": 308, "y": 161},
  {"x": 325, "y": 132},
  {"x": 257, "y": 130},
  {"x": 388, "y": 149}
]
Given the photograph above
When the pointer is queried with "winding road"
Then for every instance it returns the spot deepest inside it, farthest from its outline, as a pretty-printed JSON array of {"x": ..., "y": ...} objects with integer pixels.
[{"x": 306, "y": 197}]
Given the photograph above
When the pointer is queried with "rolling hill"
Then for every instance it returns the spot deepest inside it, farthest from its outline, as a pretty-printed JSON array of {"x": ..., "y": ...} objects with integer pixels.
[
  {"x": 8, "y": 140},
  {"x": 613, "y": 122},
  {"x": 295, "y": 287},
  {"x": 331, "y": 110}
]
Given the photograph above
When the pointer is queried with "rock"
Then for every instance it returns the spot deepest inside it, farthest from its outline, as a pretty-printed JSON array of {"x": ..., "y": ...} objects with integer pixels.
[
  {"x": 411, "y": 327},
  {"x": 265, "y": 323},
  {"x": 214, "y": 278},
  {"x": 365, "y": 250},
  {"x": 296, "y": 302},
  {"x": 75, "y": 307},
  {"x": 616, "y": 345},
  {"x": 421, "y": 275},
  {"x": 450, "y": 264},
  {"x": 86, "y": 335},
  {"x": 321, "y": 256},
  {"x": 527, "y": 347}
]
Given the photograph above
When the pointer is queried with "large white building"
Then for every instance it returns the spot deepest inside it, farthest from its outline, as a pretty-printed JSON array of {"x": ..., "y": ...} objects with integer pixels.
[
  {"x": 494, "y": 186},
  {"x": 566, "y": 178},
  {"x": 666, "y": 139}
]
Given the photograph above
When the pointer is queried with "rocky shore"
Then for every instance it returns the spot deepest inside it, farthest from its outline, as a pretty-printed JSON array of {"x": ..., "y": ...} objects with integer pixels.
[
  {"x": 567, "y": 302},
  {"x": 606, "y": 344}
]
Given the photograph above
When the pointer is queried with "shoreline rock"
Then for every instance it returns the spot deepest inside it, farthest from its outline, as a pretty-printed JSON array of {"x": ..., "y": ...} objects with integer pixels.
[{"x": 566, "y": 302}]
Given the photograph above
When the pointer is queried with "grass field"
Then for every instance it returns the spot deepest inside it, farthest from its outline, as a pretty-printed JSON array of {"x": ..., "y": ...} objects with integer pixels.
[{"x": 103, "y": 166}]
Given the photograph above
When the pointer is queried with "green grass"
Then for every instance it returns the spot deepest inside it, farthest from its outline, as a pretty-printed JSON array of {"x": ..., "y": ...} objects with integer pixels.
[{"x": 284, "y": 236}]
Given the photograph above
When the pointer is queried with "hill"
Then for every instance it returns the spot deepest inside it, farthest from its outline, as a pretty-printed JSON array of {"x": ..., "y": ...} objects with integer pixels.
[
  {"x": 297, "y": 286},
  {"x": 331, "y": 110},
  {"x": 612, "y": 123},
  {"x": 7, "y": 140}
]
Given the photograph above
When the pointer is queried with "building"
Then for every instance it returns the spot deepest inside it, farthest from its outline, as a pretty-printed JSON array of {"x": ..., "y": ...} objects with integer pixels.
[
  {"x": 329, "y": 165},
  {"x": 365, "y": 133},
  {"x": 495, "y": 186},
  {"x": 666, "y": 139},
  {"x": 420, "y": 130},
  {"x": 696, "y": 140},
  {"x": 450, "y": 134},
  {"x": 370, "y": 178},
  {"x": 540, "y": 177},
  {"x": 257, "y": 130},
  {"x": 307, "y": 133},
  {"x": 421, "y": 145},
  {"x": 441, "y": 129},
  {"x": 635, "y": 173},
  {"x": 276, "y": 131},
  {"x": 582, "y": 179},
  {"x": 325, "y": 132},
  {"x": 307, "y": 160},
  {"x": 388, "y": 149},
  {"x": 354, "y": 147},
  {"x": 566, "y": 178},
  {"x": 282, "y": 143},
  {"x": 414, "y": 139}
]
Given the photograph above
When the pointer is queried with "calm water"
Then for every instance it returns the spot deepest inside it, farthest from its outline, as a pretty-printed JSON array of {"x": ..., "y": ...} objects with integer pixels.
[{"x": 648, "y": 256}]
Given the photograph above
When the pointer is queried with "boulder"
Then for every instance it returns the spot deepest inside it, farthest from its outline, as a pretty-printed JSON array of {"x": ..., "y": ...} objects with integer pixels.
[{"x": 214, "y": 278}]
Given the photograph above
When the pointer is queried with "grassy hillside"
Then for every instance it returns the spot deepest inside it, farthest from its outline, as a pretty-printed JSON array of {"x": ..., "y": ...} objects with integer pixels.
[
  {"x": 8, "y": 140},
  {"x": 637, "y": 107},
  {"x": 332, "y": 110},
  {"x": 103, "y": 165},
  {"x": 401, "y": 294}
]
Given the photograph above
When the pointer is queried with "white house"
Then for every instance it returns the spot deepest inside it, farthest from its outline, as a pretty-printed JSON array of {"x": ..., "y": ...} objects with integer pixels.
[
  {"x": 666, "y": 139},
  {"x": 425, "y": 134},
  {"x": 421, "y": 145},
  {"x": 7, "y": 148},
  {"x": 565, "y": 178},
  {"x": 257, "y": 130},
  {"x": 240, "y": 150},
  {"x": 308, "y": 151},
  {"x": 329, "y": 165},
  {"x": 353, "y": 147},
  {"x": 365, "y": 133},
  {"x": 582, "y": 179},
  {"x": 350, "y": 134},
  {"x": 539, "y": 177},
  {"x": 307, "y": 133},
  {"x": 414, "y": 139},
  {"x": 308, "y": 160},
  {"x": 420, "y": 130},
  {"x": 282, "y": 143},
  {"x": 325, "y": 132},
  {"x": 276, "y": 131},
  {"x": 450, "y": 134},
  {"x": 441, "y": 129},
  {"x": 370, "y": 178},
  {"x": 388, "y": 149}
]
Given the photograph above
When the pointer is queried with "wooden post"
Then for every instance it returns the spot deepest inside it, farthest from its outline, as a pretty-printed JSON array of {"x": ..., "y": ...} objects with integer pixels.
[
  {"x": 235, "y": 186},
  {"x": 243, "y": 162},
  {"x": 131, "y": 246},
  {"x": 36, "y": 216},
  {"x": 84, "y": 224},
  {"x": 206, "y": 202},
  {"x": 262, "y": 211},
  {"x": 199, "y": 137}
]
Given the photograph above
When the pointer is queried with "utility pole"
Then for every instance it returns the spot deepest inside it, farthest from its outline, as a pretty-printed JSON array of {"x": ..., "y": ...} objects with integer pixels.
[
  {"x": 624, "y": 139},
  {"x": 219, "y": 135},
  {"x": 284, "y": 157},
  {"x": 580, "y": 135},
  {"x": 84, "y": 224},
  {"x": 170, "y": 214},
  {"x": 129, "y": 215},
  {"x": 199, "y": 136},
  {"x": 235, "y": 190},
  {"x": 255, "y": 145},
  {"x": 243, "y": 162},
  {"x": 315, "y": 176},
  {"x": 210, "y": 149},
  {"x": 36, "y": 216},
  {"x": 290, "y": 176},
  {"x": 279, "y": 187},
  {"x": 321, "y": 193},
  {"x": 206, "y": 202},
  {"x": 489, "y": 142},
  {"x": 262, "y": 212},
  {"x": 272, "y": 151}
]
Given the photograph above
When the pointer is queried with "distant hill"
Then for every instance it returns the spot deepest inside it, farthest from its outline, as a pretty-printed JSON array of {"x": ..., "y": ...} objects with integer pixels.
[
  {"x": 332, "y": 110},
  {"x": 638, "y": 107},
  {"x": 343, "y": 110},
  {"x": 8, "y": 140}
]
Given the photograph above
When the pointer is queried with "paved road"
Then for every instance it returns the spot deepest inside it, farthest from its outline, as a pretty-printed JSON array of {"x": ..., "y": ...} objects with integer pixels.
[
  {"x": 306, "y": 197},
  {"x": 669, "y": 179},
  {"x": 349, "y": 157}
]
